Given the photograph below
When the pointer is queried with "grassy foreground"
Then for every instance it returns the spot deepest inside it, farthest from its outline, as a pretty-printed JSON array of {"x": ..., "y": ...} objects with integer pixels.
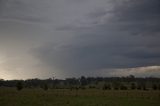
[{"x": 89, "y": 97}]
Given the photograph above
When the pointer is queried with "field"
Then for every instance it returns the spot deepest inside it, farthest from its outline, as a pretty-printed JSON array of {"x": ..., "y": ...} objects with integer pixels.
[{"x": 88, "y": 97}]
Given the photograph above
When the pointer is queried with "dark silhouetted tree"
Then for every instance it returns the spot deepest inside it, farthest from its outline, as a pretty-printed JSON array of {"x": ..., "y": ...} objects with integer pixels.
[
  {"x": 144, "y": 86},
  {"x": 133, "y": 86},
  {"x": 19, "y": 86},
  {"x": 123, "y": 87},
  {"x": 106, "y": 87},
  {"x": 83, "y": 81},
  {"x": 116, "y": 85},
  {"x": 45, "y": 87},
  {"x": 154, "y": 87},
  {"x": 159, "y": 87}
]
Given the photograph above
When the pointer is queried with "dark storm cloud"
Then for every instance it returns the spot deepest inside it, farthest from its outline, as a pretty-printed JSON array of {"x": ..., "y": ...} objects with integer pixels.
[
  {"x": 23, "y": 11},
  {"x": 139, "y": 10},
  {"x": 126, "y": 36},
  {"x": 143, "y": 16},
  {"x": 78, "y": 37}
]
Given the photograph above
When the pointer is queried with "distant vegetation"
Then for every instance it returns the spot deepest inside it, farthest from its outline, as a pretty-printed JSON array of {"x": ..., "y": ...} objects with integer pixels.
[
  {"x": 83, "y": 91},
  {"x": 19, "y": 85},
  {"x": 105, "y": 83}
]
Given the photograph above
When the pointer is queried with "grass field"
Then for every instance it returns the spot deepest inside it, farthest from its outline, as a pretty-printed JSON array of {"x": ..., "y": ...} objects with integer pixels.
[{"x": 88, "y": 97}]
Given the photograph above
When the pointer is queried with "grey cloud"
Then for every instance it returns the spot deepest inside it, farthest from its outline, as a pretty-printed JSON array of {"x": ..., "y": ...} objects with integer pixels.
[
  {"x": 98, "y": 13},
  {"x": 138, "y": 10},
  {"x": 24, "y": 11},
  {"x": 78, "y": 37},
  {"x": 149, "y": 71},
  {"x": 142, "y": 16},
  {"x": 110, "y": 43}
]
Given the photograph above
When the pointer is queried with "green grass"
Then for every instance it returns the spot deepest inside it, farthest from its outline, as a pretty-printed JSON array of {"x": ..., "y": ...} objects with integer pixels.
[{"x": 39, "y": 97}]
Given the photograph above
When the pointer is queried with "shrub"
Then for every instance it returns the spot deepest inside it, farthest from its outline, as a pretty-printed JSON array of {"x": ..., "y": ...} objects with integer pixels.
[
  {"x": 123, "y": 87},
  {"x": 139, "y": 87},
  {"x": 144, "y": 87},
  {"x": 19, "y": 86},
  {"x": 159, "y": 87},
  {"x": 45, "y": 87},
  {"x": 107, "y": 87},
  {"x": 154, "y": 87},
  {"x": 133, "y": 86}
]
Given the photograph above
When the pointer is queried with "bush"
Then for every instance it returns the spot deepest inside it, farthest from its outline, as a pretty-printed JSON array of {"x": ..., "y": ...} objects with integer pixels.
[
  {"x": 116, "y": 88},
  {"x": 159, "y": 87},
  {"x": 123, "y": 87},
  {"x": 116, "y": 85},
  {"x": 133, "y": 86},
  {"x": 107, "y": 87},
  {"x": 144, "y": 87},
  {"x": 45, "y": 87},
  {"x": 139, "y": 87},
  {"x": 154, "y": 87},
  {"x": 19, "y": 86}
]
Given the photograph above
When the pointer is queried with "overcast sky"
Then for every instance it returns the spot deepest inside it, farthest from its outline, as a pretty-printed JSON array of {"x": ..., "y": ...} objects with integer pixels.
[{"x": 70, "y": 38}]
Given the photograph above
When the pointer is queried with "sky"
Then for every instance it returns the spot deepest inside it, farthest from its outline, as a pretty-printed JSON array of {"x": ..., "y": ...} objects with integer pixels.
[{"x": 71, "y": 38}]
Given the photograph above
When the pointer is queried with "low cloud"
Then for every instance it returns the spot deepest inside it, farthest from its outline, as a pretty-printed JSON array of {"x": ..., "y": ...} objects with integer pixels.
[{"x": 149, "y": 71}]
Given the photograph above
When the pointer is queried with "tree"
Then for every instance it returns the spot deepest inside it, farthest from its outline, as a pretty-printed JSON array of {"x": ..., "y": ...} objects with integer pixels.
[
  {"x": 123, "y": 87},
  {"x": 19, "y": 86},
  {"x": 133, "y": 86},
  {"x": 144, "y": 86},
  {"x": 1, "y": 82},
  {"x": 116, "y": 85},
  {"x": 83, "y": 81},
  {"x": 45, "y": 87},
  {"x": 159, "y": 87},
  {"x": 154, "y": 87},
  {"x": 139, "y": 86},
  {"x": 106, "y": 87}
]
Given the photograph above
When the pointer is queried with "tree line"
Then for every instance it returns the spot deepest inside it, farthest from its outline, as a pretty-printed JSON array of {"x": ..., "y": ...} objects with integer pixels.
[{"x": 105, "y": 83}]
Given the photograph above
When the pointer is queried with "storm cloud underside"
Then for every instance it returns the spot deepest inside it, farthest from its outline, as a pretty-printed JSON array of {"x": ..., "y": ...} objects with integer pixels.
[{"x": 70, "y": 38}]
